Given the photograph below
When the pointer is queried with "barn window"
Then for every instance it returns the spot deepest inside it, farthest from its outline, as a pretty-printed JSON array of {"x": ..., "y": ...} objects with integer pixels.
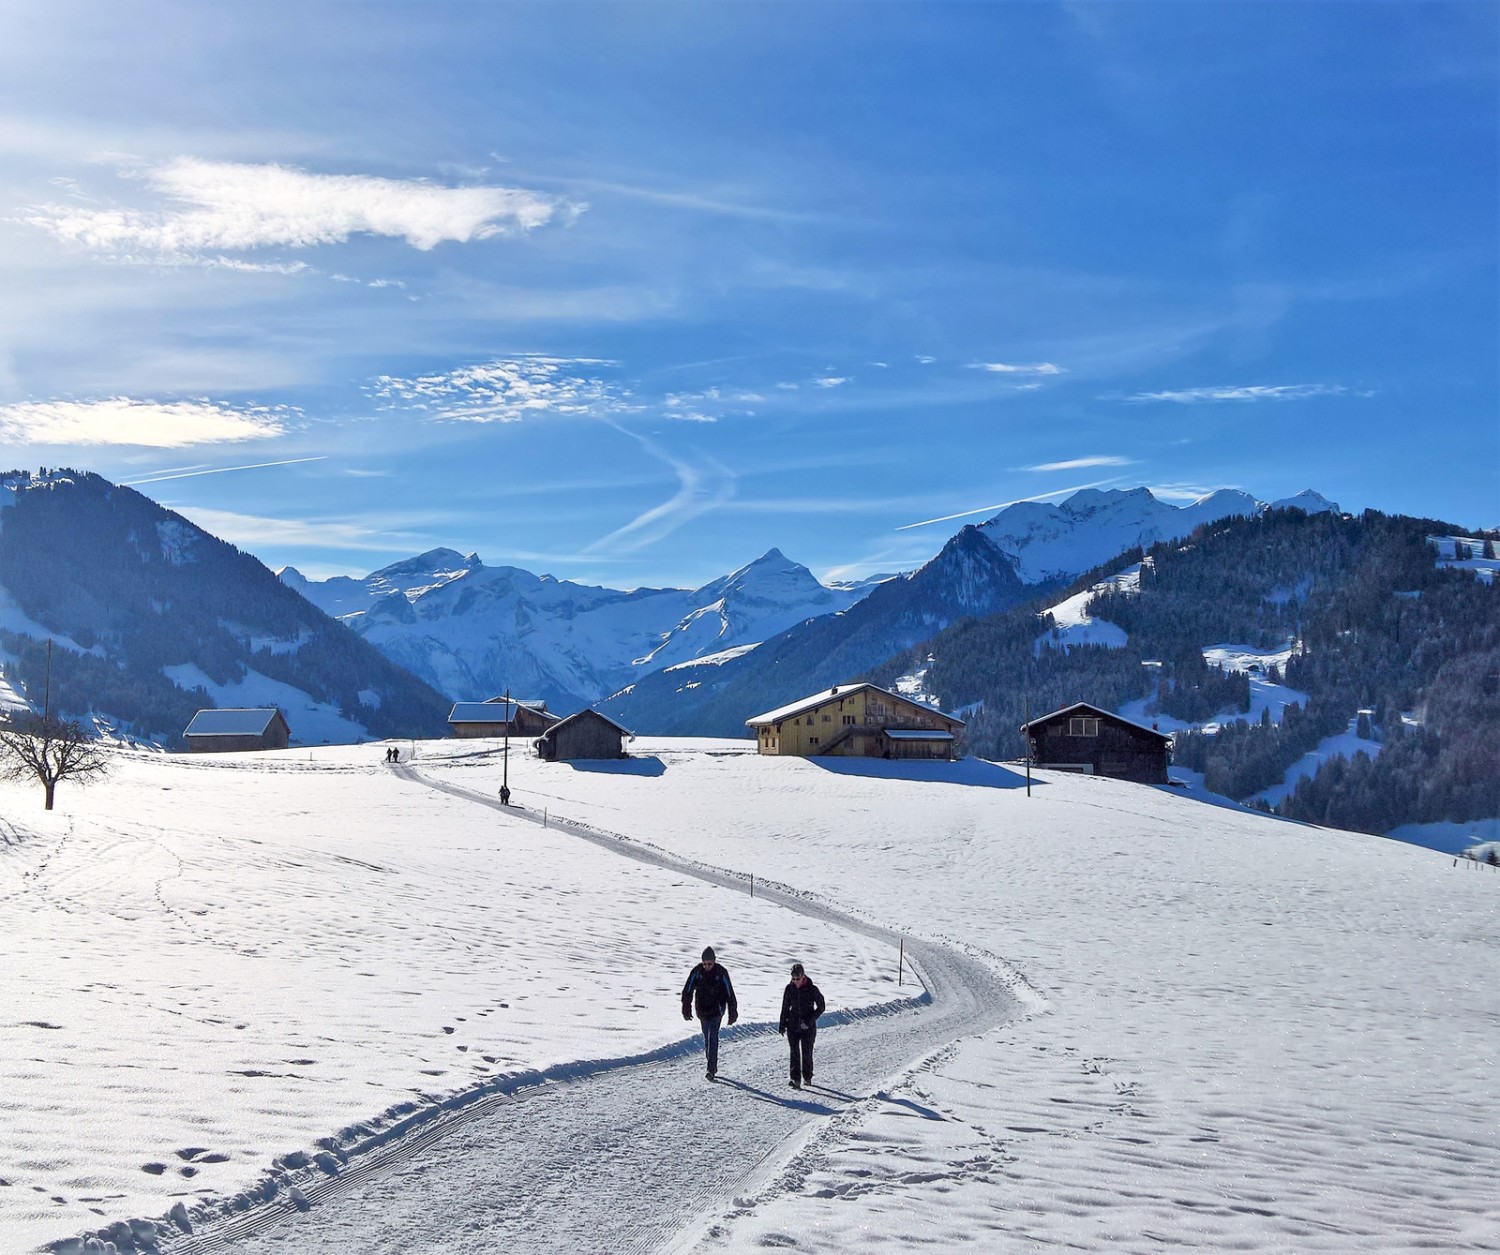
[
  {"x": 827, "y": 718},
  {"x": 848, "y": 719},
  {"x": 812, "y": 740},
  {"x": 1081, "y": 725}
]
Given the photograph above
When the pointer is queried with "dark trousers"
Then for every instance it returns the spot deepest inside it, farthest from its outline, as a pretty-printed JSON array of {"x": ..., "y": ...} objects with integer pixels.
[
  {"x": 711, "y": 1040},
  {"x": 801, "y": 1042}
]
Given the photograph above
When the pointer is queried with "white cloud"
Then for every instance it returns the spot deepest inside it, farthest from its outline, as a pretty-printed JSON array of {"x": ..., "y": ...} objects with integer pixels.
[
  {"x": 510, "y": 390},
  {"x": 831, "y": 381},
  {"x": 258, "y": 533},
  {"x": 1251, "y": 392},
  {"x": 225, "y": 205},
  {"x": 1076, "y": 464},
  {"x": 1006, "y": 368},
  {"x": 150, "y": 424}
]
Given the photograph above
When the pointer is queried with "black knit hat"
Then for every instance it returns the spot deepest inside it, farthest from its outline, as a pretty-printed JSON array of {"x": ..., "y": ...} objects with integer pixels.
[
  {"x": 796, "y": 969},
  {"x": 708, "y": 953}
]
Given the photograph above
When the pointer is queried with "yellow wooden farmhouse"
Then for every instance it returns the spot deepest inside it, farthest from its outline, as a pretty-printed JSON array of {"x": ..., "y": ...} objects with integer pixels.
[{"x": 857, "y": 720}]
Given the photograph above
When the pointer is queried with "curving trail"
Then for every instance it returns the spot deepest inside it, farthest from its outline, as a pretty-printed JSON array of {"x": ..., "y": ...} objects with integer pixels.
[{"x": 620, "y": 1159}]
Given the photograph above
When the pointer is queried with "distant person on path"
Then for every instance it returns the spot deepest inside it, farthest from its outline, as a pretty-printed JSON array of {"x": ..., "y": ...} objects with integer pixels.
[
  {"x": 708, "y": 991},
  {"x": 801, "y": 1005}
]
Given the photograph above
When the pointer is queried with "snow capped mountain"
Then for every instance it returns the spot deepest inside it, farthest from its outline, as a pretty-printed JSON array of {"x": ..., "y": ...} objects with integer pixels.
[
  {"x": 1308, "y": 501},
  {"x": 1051, "y": 542},
  {"x": 474, "y": 631}
]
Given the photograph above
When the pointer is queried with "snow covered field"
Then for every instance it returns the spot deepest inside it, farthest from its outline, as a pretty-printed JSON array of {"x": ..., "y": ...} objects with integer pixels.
[
  {"x": 1249, "y": 1034},
  {"x": 214, "y": 961},
  {"x": 1243, "y": 1034}
]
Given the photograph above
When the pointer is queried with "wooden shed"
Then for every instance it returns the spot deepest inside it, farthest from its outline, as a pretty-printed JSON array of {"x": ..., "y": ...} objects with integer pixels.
[
  {"x": 222, "y": 731},
  {"x": 1086, "y": 739},
  {"x": 588, "y": 734},
  {"x": 857, "y": 720},
  {"x": 496, "y": 717}
]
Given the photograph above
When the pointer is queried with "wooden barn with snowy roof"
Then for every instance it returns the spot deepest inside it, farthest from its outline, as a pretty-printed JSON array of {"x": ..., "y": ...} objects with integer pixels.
[
  {"x": 498, "y": 717},
  {"x": 245, "y": 728},
  {"x": 1086, "y": 739},
  {"x": 586, "y": 735},
  {"x": 859, "y": 721}
]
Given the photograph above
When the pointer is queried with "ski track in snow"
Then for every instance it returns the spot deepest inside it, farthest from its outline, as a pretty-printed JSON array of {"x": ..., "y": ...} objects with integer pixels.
[{"x": 622, "y": 1158}]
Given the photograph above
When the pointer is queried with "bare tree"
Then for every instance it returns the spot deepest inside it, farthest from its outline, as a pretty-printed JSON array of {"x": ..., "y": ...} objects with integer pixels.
[{"x": 49, "y": 749}]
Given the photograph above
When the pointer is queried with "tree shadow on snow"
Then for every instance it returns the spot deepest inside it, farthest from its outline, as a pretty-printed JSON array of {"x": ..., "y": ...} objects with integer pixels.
[
  {"x": 974, "y": 772},
  {"x": 651, "y": 765}
]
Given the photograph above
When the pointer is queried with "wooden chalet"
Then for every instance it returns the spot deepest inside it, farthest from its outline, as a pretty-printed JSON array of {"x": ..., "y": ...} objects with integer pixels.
[
  {"x": 224, "y": 731},
  {"x": 1086, "y": 739},
  {"x": 588, "y": 734},
  {"x": 497, "y": 717},
  {"x": 860, "y": 721}
]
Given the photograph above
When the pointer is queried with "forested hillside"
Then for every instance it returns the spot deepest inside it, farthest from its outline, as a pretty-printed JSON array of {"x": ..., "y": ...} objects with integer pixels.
[
  {"x": 1378, "y": 626},
  {"x": 137, "y": 588}
]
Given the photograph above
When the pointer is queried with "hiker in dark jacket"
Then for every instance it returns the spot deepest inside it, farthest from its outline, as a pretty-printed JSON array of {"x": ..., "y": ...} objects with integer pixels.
[
  {"x": 710, "y": 993},
  {"x": 801, "y": 1005}
]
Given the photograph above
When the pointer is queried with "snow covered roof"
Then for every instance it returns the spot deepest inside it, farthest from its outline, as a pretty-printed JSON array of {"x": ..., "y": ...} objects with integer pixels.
[
  {"x": 1102, "y": 713},
  {"x": 531, "y": 703},
  {"x": 248, "y": 721},
  {"x": 837, "y": 691},
  {"x": 591, "y": 711},
  {"x": 477, "y": 712}
]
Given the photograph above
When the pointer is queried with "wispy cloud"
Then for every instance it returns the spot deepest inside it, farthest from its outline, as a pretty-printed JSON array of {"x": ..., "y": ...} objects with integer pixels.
[
  {"x": 709, "y": 405},
  {"x": 699, "y": 490},
  {"x": 1249, "y": 392},
  {"x": 1007, "y": 368},
  {"x": 510, "y": 390},
  {"x": 149, "y": 424},
  {"x": 831, "y": 381},
  {"x": 193, "y": 473},
  {"x": 990, "y": 509},
  {"x": 258, "y": 533},
  {"x": 214, "y": 205},
  {"x": 1078, "y": 464}
]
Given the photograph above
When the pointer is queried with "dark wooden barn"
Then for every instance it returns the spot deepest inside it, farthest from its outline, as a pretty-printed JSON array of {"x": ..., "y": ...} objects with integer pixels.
[
  {"x": 1087, "y": 739},
  {"x": 588, "y": 734},
  {"x": 222, "y": 731}
]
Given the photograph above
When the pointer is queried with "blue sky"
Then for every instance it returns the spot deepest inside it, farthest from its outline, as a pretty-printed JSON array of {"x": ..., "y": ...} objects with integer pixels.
[{"x": 630, "y": 293}]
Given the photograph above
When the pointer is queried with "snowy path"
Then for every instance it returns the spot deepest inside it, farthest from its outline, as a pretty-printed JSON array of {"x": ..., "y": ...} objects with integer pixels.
[{"x": 620, "y": 1158}]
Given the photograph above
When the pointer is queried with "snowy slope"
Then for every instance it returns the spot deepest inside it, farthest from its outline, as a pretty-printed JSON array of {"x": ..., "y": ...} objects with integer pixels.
[
  {"x": 1245, "y": 1035},
  {"x": 473, "y": 631}
]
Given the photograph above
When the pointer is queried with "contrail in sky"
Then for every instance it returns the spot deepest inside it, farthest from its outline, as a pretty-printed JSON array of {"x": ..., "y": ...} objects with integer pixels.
[
  {"x": 220, "y": 470},
  {"x": 985, "y": 509}
]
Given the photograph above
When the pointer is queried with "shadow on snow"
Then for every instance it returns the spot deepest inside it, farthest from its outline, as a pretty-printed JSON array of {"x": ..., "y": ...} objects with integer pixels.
[
  {"x": 974, "y": 772},
  {"x": 651, "y": 765}
]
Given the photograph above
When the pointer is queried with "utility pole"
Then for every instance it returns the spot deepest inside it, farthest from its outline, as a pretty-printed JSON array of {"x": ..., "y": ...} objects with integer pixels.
[
  {"x": 505, "y": 757},
  {"x": 1027, "y": 734}
]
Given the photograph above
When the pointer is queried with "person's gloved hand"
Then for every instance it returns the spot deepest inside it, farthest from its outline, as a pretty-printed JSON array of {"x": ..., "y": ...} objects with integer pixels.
[
  {"x": 733, "y": 1016},
  {"x": 782, "y": 1030},
  {"x": 687, "y": 1015}
]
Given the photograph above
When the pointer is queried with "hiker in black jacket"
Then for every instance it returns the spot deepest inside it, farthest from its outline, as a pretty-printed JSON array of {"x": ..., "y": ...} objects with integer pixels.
[
  {"x": 801, "y": 1005},
  {"x": 710, "y": 993}
]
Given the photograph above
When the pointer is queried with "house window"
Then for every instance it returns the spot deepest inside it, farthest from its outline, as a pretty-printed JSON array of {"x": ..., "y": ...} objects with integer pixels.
[
  {"x": 848, "y": 720},
  {"x": 812, "y": 740},
  {"x": 1081, "y": 725},
  {"x": 827, "y": 718}
]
